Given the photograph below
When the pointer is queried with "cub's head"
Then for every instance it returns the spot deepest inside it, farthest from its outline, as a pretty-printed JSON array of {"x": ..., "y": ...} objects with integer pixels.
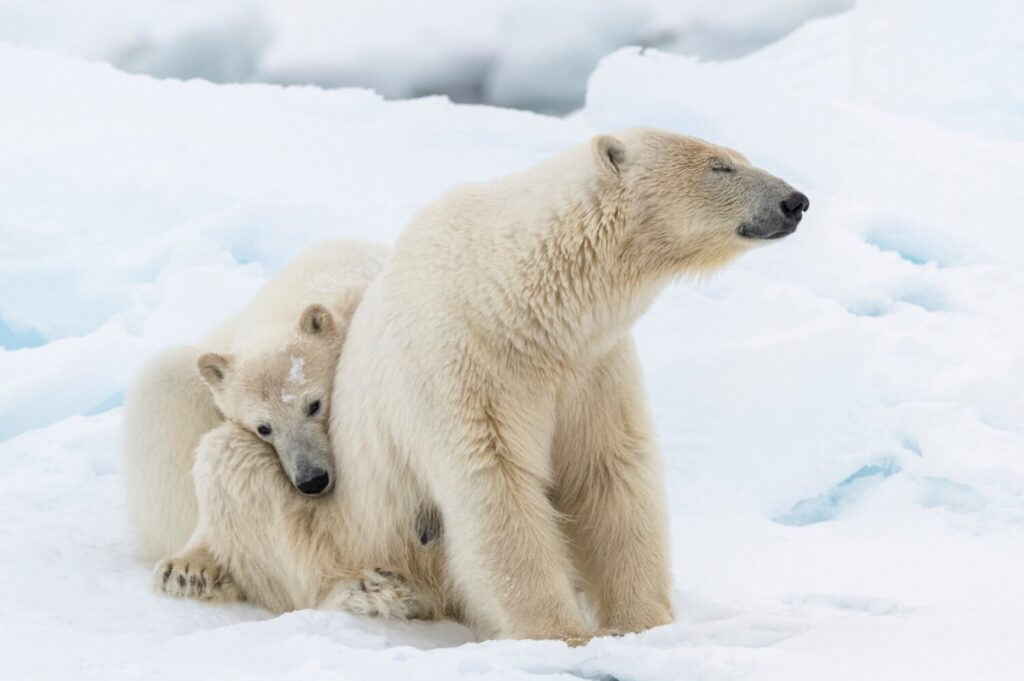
[
  {"x": 283, "y": 396},
  {"x": 696, "y": 205}
]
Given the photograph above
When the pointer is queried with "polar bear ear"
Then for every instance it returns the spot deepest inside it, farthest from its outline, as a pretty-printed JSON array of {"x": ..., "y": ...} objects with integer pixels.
[
  {"x": 610, "y": 153},
  {"x": 316, "y": 320},
  {"x": 214, "y": 369}
]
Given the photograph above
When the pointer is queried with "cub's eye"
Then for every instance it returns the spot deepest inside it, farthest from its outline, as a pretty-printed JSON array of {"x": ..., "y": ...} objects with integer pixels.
[
  {"x": 264, "y": 430},
  {"x": 721, "y": 166},
  {"x": 313, "y": 407}
]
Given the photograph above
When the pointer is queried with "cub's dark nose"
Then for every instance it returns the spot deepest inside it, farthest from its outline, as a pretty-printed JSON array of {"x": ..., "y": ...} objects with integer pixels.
[
  {"x": 794, "y": 206},
  {"x": 316, "y": 483}
]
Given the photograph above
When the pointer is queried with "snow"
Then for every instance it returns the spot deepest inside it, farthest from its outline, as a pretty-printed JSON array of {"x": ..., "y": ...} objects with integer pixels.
[
  {"x": 840, "y": 413},
  {"x": 295, "y": 373},
  {"x": 525, "y": 54},
  {"x": 296, "y": 376}
]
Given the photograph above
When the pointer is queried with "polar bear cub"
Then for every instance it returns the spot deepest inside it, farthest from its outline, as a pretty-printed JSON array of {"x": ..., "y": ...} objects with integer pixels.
[
  {"x": 301, "y": 314},
  {"x": 256, "y": 538},
  {"x": 227, "y": 460},
  {"x": 274, "y": 402}
]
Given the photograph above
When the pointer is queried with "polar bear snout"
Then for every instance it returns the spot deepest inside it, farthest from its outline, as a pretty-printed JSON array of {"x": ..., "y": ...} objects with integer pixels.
[
  {"x": 778, "y": 220},
  {"x": 308, "y": 462},
  {"x": 314, "y": 482}
]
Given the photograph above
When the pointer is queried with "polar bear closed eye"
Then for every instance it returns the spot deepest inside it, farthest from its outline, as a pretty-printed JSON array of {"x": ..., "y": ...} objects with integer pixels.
[{"x": 283, "y": 396}]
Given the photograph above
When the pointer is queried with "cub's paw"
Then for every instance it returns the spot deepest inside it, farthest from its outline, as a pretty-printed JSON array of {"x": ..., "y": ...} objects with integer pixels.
[
  {"x": 195, "y": 576},
  {"x": 380, "y": 592}
]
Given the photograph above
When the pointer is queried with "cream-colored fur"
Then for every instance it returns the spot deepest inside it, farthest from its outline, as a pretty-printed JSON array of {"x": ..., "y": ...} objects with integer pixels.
[
  {"x": 168, "y": 408},
  {"x": 282, "y": 394},
  {"x": 490, "y": 371},
  {"x": 258, "y": 539},
  {"x": 239, "y": 527},
  {"x": 489, "y": 380},
  {"x": 166, "y": 412}
]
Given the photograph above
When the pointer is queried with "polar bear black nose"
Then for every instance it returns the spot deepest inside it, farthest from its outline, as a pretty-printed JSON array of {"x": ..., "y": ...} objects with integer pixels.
[
  {"x": 794, "y": 206},
  {"x": 316, "y": 482}
]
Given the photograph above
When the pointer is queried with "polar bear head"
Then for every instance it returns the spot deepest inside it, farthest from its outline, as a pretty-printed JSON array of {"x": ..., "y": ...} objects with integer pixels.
[
  {"x": 282, "y": 395},
  {"x": 694, "y": 206}
]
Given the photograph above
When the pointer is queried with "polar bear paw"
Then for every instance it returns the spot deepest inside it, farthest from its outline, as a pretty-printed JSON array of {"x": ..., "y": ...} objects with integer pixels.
[
  {"x": 382, "y": 593},
  {"x": 195, "y": 575}
]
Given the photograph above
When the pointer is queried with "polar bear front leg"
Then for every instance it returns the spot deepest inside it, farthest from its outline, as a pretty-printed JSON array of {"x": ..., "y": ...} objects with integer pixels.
[
  {"x": 507, "y": 554},
  {"x": 194, "y": 573},
  {"x": 611, "y": 490}
]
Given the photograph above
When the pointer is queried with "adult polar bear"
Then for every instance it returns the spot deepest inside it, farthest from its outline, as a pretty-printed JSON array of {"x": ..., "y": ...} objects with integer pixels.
[{"x": 490, "y": 370}]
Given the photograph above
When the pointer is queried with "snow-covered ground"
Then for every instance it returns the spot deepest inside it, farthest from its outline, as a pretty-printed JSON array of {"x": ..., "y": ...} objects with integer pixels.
[{"x": 841, "y": 413}]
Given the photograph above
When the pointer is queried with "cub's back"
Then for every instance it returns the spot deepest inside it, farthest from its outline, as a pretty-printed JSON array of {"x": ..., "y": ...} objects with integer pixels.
[{"x": 332, "y": 273}]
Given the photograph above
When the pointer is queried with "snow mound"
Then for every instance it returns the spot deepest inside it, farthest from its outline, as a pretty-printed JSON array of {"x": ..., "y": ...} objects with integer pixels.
[{"x": 533, "y": 54}]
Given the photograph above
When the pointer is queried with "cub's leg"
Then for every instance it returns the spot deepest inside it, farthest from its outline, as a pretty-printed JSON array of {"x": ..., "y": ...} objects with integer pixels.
[
  {"x": 224, "y": 462},
  {"x": 610, "y": 488},
  {"x": 258, "y": 538},
  {"x": 254, "y": 524},
  {"x": 194, "y": 573}
]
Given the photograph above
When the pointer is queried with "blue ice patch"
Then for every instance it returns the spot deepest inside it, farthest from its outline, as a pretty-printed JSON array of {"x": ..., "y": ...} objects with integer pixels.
[
  {"x": 917, "y": 244},
  {"x": 15, "y": 339},
  {"x": 827, "y": 505}
]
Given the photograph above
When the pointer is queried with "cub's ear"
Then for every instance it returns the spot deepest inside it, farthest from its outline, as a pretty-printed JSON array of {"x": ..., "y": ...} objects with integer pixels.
[
  {"x": 214, "y": 369},
  {"x": 610, "y": 153},
  {"x": 317, "y": 320}
]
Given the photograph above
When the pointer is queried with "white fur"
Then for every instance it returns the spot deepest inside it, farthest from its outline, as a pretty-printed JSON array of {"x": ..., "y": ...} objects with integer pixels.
[
  {"x": 250, "y": 534},
  {"x": 259, "y": 540},
  {"x": 166, "y": 412},
  {"x": 168, "y": 409},
  {"x": 489, "y": 379},
  {"x": 490, "y": 371}
]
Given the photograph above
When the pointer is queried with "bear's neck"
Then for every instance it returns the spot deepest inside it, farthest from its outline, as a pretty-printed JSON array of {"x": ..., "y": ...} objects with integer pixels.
[{"x": 576, "y": 287}]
